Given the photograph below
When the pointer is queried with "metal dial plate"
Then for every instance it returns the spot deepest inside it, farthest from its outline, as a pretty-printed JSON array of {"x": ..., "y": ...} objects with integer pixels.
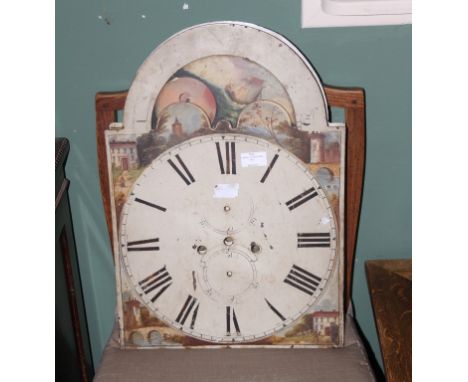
[{"x": 228, "y": 238}]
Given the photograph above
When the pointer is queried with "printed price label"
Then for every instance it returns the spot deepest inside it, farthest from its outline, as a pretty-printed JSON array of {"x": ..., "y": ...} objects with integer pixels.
[
  {"x": 226, "y": 190},
  {"x": 254, "y": 159}
]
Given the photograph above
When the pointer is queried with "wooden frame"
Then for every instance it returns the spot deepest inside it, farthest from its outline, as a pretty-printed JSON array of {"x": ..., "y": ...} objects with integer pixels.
[
  {"x": 390, "y": 289},
  {"x": 352, "y": 100}
]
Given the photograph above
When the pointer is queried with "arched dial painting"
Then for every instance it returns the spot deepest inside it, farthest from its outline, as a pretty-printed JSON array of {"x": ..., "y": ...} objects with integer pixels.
[{"x": 227, "y": 197}]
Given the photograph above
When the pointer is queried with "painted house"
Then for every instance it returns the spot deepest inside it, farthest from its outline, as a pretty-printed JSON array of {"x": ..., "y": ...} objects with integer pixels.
[
  {"x": 323, "y": 321},
  {"x": 332, "y": 153},
  {"x": 177, "y": 128},
  {"x": 317, "y": 147},
  {"x": 124, "y": 155},
  {"x": 323, "y": 152}
]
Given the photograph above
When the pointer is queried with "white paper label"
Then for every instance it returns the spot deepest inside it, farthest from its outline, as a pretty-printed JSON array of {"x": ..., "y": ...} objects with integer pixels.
[
  {"x": 226, "y": 190},
  {"x": 254, "y": 159}
]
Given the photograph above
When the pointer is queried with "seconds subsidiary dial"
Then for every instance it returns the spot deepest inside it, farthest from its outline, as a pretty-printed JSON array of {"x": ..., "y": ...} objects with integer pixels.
[{"x": 228, "y": 238}]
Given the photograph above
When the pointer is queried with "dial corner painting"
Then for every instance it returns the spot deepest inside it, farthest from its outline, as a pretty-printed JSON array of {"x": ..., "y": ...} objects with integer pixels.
[{"x": 228, "y": 216}]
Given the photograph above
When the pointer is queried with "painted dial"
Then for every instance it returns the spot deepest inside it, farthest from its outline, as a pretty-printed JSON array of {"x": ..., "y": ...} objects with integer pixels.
[{"x": 228, "y": 238}]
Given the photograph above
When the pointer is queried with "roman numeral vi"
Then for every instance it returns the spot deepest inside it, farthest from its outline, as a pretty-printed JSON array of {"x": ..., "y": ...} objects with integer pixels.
[{"x": 234, "y": 320}]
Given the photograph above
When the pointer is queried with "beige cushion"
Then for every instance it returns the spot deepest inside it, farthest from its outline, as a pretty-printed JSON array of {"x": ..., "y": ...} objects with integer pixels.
[{"x": 349, "y": 363}]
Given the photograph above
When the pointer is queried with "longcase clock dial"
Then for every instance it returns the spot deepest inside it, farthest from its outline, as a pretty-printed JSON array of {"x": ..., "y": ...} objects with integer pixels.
[{"x": 228, "y": 238}]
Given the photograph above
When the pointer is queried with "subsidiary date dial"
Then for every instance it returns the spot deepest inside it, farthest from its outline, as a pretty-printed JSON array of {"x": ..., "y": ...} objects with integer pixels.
[{"x": 228, "y": 238}]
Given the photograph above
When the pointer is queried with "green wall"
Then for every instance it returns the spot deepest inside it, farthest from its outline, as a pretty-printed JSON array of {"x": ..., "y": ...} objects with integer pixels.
[{"x": 92, "y": 56}]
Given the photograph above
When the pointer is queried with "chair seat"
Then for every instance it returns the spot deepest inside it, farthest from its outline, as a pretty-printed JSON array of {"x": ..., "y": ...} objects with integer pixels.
[{"x": 349, "y": 363}]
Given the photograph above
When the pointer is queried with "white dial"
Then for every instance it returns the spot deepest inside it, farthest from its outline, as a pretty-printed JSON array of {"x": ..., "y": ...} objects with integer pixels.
[{"x": 228, "y": 238}]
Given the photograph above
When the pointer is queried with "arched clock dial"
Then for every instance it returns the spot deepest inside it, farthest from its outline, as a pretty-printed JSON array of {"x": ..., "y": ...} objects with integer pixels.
[
  {"x": 228, "y": 238},
  {"x": 193, "y": 49}
]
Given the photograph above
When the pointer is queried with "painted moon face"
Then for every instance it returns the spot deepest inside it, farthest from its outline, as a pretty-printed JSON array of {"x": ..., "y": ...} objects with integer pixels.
[{"x": 189, "y": 90}]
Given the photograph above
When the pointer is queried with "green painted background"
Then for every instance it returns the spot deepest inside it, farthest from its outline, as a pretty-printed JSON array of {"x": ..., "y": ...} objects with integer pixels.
[{"x": 93, "y": 56}]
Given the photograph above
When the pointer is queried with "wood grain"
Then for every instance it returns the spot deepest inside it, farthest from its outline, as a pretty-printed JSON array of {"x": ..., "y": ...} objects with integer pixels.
[
  {"x": 390, "y": 288},
  {"x": 352, "y": 100}
]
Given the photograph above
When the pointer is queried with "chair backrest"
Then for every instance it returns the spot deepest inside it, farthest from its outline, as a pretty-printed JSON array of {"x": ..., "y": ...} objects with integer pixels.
[{"x": 352, "y": 100}]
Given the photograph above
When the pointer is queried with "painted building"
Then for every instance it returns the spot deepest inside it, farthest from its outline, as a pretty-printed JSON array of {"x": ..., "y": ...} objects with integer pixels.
[
  {"x": 124, "y": 155},
  {"x": 322, "y": 151},
  {"x": 323, "y": 322},
  {"x": 317, "y": 147},
  {"x": 177, "y": 128},
  {"x": 332, "y": 153}
]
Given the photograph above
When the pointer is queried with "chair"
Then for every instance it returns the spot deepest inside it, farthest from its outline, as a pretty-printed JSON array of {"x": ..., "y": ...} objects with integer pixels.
[{"x": 349, "y": 363}]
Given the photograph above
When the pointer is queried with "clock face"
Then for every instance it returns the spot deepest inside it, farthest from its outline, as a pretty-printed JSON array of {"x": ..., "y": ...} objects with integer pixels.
[{"x": 228, "y": 238}]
